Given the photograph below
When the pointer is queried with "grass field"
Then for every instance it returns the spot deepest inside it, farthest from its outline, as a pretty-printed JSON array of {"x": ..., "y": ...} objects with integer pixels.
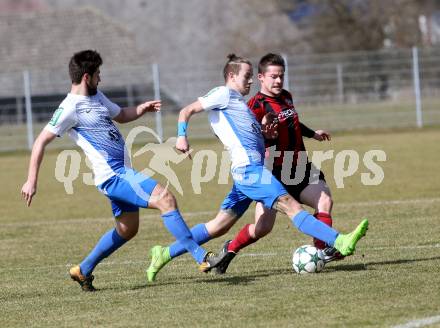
[{"x": 392, "y": 279}]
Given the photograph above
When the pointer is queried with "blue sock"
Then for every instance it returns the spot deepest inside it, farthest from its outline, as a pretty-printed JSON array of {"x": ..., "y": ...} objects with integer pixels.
[
  {"x": 176, "y": 225},
  {"x": 108, "y": 243},
  {"x": 309, "y": 225},
  {"x": 200, "y": 236}
]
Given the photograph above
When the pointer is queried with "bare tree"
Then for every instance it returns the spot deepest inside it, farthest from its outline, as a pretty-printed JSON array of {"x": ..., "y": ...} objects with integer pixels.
[{"x": 350, "y": 25}]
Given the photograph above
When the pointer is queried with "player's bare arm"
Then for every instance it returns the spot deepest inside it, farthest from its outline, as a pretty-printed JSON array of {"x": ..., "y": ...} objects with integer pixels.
[
  {"x": 184, "y": 117},
  {"x": 29, "y": 188},
  {"x": 129, "y": 114}
]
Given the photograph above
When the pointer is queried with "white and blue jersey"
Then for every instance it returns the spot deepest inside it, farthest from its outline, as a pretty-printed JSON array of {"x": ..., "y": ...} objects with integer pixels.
[
  {"x": 236, "y": 126},
  {"x": 88, "y": 122}
]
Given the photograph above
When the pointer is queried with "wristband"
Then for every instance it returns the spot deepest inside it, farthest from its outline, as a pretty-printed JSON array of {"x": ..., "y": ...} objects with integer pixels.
[{"x": 181, "y": 129}]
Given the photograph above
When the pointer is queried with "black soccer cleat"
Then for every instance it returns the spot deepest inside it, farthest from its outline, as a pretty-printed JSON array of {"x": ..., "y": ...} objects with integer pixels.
[
  {"x": 84, "y": 281},
  {"x": 210, "y": 261},
  {"x": 226, "y": 258},
  {"x": 331, "y": 254}
]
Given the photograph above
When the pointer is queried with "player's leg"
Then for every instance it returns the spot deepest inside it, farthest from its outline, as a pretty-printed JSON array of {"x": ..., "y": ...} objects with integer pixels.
[
  {"x": 249, "y": 234},
  {"x": 272, "y": 194},
  {"x": 163, "y": 200},
  {"x": 308, "y": 224},
  {"x": 201, "y": 233},
  {"x": 231, "y": 210},
  {"x": 318, "y": 196},
  {"x": 127, "y": 224}
]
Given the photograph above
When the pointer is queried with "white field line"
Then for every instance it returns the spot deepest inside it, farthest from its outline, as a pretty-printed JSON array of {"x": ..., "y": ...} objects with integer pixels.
[
  {"x": 210, "y": 214},
  {"x": 420, "y": 322},
  {"x": 189, "y": 259}
]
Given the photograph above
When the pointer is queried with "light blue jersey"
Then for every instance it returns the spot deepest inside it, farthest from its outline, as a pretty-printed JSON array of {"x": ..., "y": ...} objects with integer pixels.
[
  {"x": 235, "y": 125},
  {"x": 88, "y": 121},
  {"x": 237, "y": 128}
]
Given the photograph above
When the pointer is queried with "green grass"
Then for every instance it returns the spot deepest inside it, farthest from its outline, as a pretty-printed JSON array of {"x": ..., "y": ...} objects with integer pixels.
[{"x": 393, "y": 277}]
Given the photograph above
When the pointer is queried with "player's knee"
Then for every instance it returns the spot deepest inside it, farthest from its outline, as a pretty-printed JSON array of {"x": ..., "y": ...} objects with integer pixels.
[
  {"x": 288, "y": 205},
  {"x": 325, "y": 202},
  {"x": 128, "y": 231},
  {"x": 167, "y": 202}
]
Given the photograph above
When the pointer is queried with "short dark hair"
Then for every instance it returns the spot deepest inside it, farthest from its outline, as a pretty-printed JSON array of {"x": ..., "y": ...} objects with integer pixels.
[
  {"x": 234, "y": 64},
  {"x": 270, "y": 60},
  {"x": 86, "y": 61}
]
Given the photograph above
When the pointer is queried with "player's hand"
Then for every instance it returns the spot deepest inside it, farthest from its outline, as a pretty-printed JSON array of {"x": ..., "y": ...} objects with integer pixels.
[
  {"x": 269, "y": 126},
  {"x": 28, "y": 191},
  {"x": 322, "y": 135},
  {"x": 183, "y": 145},
  {"x": 150, "y": 106}
]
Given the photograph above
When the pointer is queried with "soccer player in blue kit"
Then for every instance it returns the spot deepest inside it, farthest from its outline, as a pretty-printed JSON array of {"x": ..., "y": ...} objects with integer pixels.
[
  {"x": 237, "y": 128},
  {"x": 87, "y": 115}
]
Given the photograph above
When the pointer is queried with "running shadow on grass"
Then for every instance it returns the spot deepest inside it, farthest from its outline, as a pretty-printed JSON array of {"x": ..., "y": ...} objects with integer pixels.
[
  {"x": 371, "y": 265},
  {"x": 228, "y": 279}
]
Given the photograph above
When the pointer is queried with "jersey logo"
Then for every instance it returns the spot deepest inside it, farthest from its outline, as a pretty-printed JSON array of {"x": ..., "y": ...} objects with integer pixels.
[
  {"x": 55, "y": 117},
  {"x": 285, "y": 114}
]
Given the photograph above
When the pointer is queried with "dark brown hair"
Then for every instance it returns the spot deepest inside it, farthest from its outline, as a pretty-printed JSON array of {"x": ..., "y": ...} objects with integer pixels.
[
  {"x": 86, "y": 61},
  {"x": 270, "y": 60}
]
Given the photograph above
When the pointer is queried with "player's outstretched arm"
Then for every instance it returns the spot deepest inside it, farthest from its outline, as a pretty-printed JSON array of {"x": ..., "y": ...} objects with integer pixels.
[
  {"x": 128, "y": 114},
  {"x": 322, "y": 135},
  {"x": 182, "y": 125},
  {"x": 30, "y": 186}
]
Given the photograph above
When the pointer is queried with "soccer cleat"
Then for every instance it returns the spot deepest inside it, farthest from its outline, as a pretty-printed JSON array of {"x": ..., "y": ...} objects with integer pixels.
[
  {"x": 84, "y": 282},
  {"x": 159, "y": 257},
  {"x": 210, "y": 261},
  {"x": 226, "y": 256},
  {"x": 346, "y": 243},
  {"x": 331, "y": 254}
]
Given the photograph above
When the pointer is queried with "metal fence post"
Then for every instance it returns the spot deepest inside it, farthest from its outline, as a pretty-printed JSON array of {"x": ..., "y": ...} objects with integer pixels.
[
  {"x": 130, "y": 98},
  {"x": 156, "y": 82},
  {"x": 27, "y": 95},
  {"x": 286, "y": 72},
  {"x": 340, "y": 83},
  {"x": 416, "y": 80}
]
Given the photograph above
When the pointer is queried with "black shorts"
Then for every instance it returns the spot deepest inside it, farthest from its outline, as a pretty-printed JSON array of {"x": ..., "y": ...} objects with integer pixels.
[{"x": 295, "y": 189}]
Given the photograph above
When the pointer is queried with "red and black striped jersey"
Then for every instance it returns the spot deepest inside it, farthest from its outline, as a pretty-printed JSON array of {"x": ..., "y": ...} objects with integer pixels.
[{"x": 290, "y": 130}]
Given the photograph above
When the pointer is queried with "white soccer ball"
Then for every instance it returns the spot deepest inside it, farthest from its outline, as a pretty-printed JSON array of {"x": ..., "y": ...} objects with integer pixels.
[{"x": 307, "y": 259}]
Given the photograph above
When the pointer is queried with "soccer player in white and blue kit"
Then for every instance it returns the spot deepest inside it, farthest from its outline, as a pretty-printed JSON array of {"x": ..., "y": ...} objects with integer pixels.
[
  {"x": 236, "y": 126},
  {"x": 87, "y": 116}
]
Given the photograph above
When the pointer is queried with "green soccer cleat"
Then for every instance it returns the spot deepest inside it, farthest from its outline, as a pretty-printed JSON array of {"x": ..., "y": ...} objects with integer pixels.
[
  {"x": 346, "y": 243},
  {"x": 159, "y": 257}
]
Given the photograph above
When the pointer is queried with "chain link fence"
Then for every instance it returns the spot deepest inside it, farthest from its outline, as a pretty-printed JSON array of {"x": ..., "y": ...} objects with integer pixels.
[{"x": 382, "y": 89}]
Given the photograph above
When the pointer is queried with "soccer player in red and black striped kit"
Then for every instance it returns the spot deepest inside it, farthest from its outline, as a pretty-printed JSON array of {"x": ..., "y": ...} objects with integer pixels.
[{"x": 287, "y": 135}]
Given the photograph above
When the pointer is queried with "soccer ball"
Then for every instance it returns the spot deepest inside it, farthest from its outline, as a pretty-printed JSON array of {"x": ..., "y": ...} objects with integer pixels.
[{"x": 307, "y": 259}]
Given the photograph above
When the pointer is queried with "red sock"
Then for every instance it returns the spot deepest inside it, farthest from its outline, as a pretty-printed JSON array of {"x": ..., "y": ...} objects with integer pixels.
[
  {"x": 241, "y": 240},
  {"x": 324, "y": 218}
]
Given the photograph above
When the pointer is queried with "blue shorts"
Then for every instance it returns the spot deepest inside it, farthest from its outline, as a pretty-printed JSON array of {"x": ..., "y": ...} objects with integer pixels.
[
  {"x": 128, "y": 190},
  {"x": 252, "y": 183}
]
